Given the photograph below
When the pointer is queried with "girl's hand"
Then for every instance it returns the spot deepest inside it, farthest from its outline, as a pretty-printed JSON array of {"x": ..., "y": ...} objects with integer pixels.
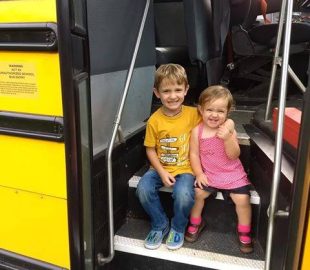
[
  {"x": 201, "y": 180},
  {"x": 224, "y": 133},
  {"x": 226, "y": 130},
  {"x": 167, "y": 179}
]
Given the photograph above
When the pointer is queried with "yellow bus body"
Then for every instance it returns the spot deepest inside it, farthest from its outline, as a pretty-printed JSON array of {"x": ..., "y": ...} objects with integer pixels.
[
  {"x": 34, "y": 218},
  {"x": 33, "y": 165},
  {"x": 27, "y": 11},
  {"x": 42, "y": 79},
  {"x": 306, "y": 255},
  {"x": 34, "y": 225}
]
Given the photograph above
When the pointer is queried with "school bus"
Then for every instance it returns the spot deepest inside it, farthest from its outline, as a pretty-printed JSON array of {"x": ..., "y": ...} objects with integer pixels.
[{"x": 76, "y": 90}]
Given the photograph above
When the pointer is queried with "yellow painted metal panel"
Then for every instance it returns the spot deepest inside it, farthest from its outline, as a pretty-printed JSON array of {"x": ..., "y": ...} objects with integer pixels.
[
  {"x": 30, "y": 83},
  {"x": 306, "y": 256},
  {"x": 33, "y": 165},
  {"x": 27, "y": 11},
  {"x": 34, "y": 225}
]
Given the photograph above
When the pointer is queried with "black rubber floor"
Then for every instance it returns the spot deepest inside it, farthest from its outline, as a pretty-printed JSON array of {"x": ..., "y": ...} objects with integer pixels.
[{"x": 223, "y": 243}]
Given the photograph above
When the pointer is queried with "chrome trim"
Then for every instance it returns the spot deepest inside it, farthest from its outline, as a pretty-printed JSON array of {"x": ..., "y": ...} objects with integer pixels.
[
  {"x": 101, "y": 259},
  {"x": 279, "y": 134},
  {"x": 276, "y": 61}
]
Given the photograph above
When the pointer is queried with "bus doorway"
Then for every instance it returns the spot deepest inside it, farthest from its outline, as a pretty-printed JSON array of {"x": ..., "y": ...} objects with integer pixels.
[{"x": 76, "y": 91}]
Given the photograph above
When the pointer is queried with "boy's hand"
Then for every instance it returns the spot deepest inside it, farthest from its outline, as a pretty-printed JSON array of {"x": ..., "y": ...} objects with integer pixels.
[
  {"x": 201, "y": 180},
  {"x": 167, "y": 179}
]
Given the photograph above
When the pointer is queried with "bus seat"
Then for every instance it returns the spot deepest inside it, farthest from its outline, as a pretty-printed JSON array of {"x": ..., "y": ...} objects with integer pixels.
[
  {"x": 266, "y": 35},
  {"x": 170, "y": 39},
  {"x": 253, "y": 43},
  {"x": 261, "y": 37},
  {"x": 207, "y": 24},
  {"x": 113, "y": 28}
]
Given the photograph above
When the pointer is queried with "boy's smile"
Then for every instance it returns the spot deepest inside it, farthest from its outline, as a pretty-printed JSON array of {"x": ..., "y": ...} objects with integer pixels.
[{"x": 171, "y": 95}]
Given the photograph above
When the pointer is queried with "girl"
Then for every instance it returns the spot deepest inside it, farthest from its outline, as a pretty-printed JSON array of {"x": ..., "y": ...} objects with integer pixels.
[{"x": 214, "y": 157}]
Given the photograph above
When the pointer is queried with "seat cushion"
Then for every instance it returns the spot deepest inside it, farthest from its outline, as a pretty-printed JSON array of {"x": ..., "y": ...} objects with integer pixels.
[
  {"x": 266, "y": 34},
  {"x": 179, "y": 55}
]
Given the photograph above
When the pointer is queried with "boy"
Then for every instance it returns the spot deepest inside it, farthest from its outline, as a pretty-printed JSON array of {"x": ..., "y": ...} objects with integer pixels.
[{"x": 167, "y": 148}]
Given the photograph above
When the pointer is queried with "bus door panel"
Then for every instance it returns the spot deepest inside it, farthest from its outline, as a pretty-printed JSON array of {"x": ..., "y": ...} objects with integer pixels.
[
  {"x": 33, "y": 181},
  {"x": 33, "y": 165},
  {"x": 30, "y": 83},
  {"x": 306, "y": 257},
  {"x": 34, "y": 225},
  {"x": 28, "y": 11}
]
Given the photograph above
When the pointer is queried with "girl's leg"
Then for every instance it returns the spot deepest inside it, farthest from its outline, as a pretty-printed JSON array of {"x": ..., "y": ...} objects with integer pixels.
[
  {"x": 195, "y": 217},
  {"x": 200, "y": 196},
  {"x": 244, "y": 213},
  {"x": 243, "y": 208}
]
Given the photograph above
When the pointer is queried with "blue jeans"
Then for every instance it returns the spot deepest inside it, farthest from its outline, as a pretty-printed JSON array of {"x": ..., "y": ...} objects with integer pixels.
[{"x": 183, "y": 195}]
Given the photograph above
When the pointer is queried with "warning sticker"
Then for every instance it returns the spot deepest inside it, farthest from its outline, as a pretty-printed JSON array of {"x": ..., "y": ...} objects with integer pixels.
[{"x": 18, "y": 80}]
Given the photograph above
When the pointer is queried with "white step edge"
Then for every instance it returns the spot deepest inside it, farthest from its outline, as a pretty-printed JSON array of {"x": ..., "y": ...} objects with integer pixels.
[
  {"x": 187, "y": 255},
  {"x": 134, "y": 180},
  {"x": 268, "y": 147}
]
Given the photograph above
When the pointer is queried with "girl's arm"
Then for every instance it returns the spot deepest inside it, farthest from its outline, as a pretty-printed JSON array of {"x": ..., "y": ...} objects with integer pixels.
[
  {"x": 167, "y": 179},
  {"x": 201, "y": 179},
  {"x": 228, "y": 133}
]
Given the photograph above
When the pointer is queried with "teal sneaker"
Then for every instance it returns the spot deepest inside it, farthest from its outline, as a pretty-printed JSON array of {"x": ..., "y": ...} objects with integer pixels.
[
  {"x": 154, "y": 238},
  {"x": 175, "y": 239}
]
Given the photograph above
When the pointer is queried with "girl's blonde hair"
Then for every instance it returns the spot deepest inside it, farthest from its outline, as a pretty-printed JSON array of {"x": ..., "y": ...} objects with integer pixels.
[
  {"x": 172, "y": 72},
  {"x": 215, "y": 92}
]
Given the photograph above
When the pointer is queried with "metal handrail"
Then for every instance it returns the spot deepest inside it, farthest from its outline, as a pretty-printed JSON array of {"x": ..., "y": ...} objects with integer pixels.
[
  {"x": 279, "y": 134},
  {"x": 278, "y": 61},
  {"x": 101, "y": 259},
  {"x": 275, "y": 61}
]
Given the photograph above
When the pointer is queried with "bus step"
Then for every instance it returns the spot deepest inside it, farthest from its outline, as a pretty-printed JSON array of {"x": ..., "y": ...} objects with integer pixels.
[
  {"x": 213, "y": 250},
  {"x": 220, "y": 215},
  {"x": 134, "y": 180}
]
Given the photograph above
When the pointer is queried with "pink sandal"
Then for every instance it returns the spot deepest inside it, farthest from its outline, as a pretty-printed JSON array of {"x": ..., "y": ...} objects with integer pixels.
[{"x": 245, "y": 247}]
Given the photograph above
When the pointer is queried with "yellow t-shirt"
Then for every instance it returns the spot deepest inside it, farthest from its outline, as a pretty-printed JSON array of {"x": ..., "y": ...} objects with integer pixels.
[{"x": 170, "y": 137}]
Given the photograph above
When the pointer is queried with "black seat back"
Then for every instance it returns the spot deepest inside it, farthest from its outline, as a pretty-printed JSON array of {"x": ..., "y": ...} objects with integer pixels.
[
  {"x": 206, "y": 24},
  {"x": 170, "y": 36}
]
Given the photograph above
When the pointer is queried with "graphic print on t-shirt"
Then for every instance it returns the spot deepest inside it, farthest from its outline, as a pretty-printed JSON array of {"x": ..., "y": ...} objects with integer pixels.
[{"x": 173, "y": 150}]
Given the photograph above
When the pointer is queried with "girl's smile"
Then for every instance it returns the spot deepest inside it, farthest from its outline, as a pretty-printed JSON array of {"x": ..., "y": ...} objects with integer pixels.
[{"x": 214, "y": 113}]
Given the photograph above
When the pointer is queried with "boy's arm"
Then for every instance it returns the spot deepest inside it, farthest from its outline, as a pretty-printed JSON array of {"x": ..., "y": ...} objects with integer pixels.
[
  {"x": 201, "y": 179},
  {"x": 167, "y": 179},
  {"x": 228, "y": 133}
]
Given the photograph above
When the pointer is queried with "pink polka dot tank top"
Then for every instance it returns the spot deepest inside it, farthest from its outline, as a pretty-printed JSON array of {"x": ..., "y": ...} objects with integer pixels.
[{"x": 222, "y": 172}]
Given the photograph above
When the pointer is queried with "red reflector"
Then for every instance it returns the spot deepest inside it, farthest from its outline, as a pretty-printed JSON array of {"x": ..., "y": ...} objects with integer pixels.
[{"x": 292, "y": 119}]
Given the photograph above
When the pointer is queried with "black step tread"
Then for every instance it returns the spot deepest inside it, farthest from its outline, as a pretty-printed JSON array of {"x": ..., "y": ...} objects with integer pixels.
[{"x": 209, "y": 241}]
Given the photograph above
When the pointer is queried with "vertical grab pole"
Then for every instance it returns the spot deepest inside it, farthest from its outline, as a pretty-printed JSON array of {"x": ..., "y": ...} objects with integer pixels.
[
  {"x": 275, "y": 60},
  {"x": 101, "y": 259},
  {"x": 279, "y": 135}
]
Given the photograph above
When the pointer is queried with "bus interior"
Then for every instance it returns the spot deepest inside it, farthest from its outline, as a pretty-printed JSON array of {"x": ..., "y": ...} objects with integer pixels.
[
  {"x": 109, "y": 51},
  {"x": 218, "y": 42}
]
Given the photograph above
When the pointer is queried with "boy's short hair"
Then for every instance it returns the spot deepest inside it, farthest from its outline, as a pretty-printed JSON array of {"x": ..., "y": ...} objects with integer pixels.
[
  {"x": 173, "y": 72},
  {"x": 215, "y": 92}
]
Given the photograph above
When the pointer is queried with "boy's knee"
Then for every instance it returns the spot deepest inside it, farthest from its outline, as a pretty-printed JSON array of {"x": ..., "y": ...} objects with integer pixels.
[
  {"x": 184, "y": 195},
  {"x": 183, "y": 188},
  {"x": 143, "y": 190}
]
